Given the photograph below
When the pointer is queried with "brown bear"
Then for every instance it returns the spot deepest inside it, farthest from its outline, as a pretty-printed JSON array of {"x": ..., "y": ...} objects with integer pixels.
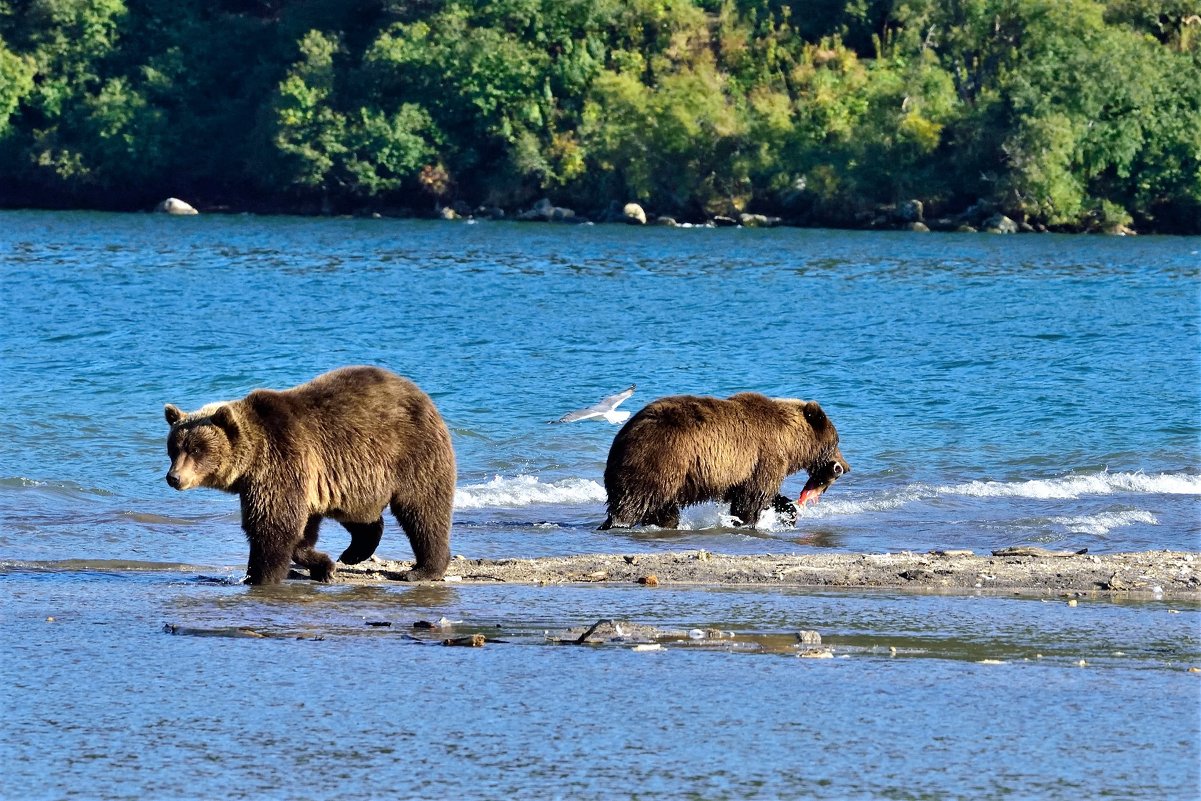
[
  {"x": 345, "y": 445},
  {"x": 685, "y": 449}
]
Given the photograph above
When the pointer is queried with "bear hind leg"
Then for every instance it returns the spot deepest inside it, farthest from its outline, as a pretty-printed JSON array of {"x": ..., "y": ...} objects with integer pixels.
[
  {"x": 320, "y": 566},
  {"x": 614, "y": 520},
  {"x": 623, "y": 513},
  {"x": 364, "y": 539},
  {"x": 429, "y": 537}
]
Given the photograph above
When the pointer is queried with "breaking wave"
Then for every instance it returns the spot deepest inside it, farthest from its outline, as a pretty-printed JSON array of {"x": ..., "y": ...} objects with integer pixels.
[
  {"x": 1070, "y": 487},
  {"x": 527, "y": 491},
  {"x": 1101, "y": 524}
]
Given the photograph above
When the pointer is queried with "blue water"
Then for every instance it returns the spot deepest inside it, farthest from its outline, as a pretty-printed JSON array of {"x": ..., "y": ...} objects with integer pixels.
[{"x": 989, "y": 391}]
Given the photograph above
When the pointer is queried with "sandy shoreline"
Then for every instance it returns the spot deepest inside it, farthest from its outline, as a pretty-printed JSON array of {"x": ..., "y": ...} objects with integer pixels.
[{"x": 1145, "y": 574}]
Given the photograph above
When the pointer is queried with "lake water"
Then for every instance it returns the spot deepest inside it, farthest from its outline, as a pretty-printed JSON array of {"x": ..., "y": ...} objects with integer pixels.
[{"x": 989, "y": 391}]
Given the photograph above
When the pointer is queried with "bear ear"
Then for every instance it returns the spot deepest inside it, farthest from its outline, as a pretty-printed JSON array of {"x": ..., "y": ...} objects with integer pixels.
[
  {"x": 173, "y": 413},
  {"x": 815, "y": 417},
  {"x": 224, "y": 419}
]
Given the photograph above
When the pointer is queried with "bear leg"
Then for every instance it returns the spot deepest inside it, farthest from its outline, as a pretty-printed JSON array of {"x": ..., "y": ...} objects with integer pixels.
[
  {"x": 621, "y": 515},
  {"x": 667, "y": 516},
  {"x": 785, "y": 509},
  {"x": 320, "y": 566},
  {"x": 269, "y": 564},
  {"x": 364, "y": 539},
  {"x": 746, "y": 505},
  {"x": 429, "y": 537}
]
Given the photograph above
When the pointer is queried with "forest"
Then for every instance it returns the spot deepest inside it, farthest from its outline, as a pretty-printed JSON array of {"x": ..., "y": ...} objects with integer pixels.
[{"x": 1069, "y": 115}]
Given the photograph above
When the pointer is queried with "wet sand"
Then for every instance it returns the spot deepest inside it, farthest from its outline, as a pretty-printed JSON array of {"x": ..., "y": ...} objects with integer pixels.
[{"x": 1149, "y": 574}]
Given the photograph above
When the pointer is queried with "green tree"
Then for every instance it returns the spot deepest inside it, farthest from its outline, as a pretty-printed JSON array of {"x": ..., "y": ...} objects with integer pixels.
[
  {"x": 1072, "y": 113},
  {"x": 362, "y": 153},
  {"x": 16, "y": 83}
]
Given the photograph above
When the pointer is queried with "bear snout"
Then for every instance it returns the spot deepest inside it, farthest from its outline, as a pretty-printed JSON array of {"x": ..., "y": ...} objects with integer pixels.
[{"x": 173, "y": 479}]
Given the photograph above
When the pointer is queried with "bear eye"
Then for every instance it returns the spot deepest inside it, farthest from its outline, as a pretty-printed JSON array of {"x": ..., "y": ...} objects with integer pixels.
[{"x": 837, "y": 470}]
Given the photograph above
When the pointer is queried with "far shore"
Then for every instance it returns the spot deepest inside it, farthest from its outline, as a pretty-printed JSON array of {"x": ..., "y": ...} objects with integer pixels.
[
  {"x": 1150, "y": 575},
  {"x": 880, "y": 218}
]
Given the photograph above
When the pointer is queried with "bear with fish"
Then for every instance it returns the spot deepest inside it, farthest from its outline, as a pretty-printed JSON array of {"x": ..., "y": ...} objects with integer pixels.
[{"x": 357, "y": 441}]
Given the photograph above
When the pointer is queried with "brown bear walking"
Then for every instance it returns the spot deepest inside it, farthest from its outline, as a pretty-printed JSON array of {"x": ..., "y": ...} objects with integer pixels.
[
  {"x": 685, "y": 449},
  {"x": 346, "y": 445}
]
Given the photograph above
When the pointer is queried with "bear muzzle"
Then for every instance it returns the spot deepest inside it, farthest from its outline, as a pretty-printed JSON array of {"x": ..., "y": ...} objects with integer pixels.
[{"x": 182, "y": 479}]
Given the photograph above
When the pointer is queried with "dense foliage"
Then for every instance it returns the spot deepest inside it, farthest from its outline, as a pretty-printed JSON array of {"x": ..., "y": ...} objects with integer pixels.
[{"x": 1074, "y": 113}]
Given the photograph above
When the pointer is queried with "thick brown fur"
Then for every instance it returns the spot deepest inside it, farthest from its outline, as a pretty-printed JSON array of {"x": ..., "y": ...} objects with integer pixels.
[
  {"x": 346, "y": 445},
  {"x": 685, "y": 449}
]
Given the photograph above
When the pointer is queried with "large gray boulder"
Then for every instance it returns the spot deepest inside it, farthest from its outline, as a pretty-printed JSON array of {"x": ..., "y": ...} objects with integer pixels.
[
  {"x": 545, "y": 211},
  {"x": 757, "y": 221},
  {"x": 174, "y": 205},
  {"x": 1000, "y": 224}
]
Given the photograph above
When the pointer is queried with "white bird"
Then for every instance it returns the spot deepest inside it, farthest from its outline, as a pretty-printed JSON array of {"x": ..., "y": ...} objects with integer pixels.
[{"x": 607, "y": 408}]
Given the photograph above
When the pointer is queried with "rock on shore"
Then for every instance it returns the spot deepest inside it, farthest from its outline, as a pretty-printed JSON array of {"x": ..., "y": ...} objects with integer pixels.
[{"x": 174, "y": 205}]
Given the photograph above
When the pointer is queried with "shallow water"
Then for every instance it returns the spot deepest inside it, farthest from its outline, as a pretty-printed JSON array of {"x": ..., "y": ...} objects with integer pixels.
[
  {"x": 989, "y": 391},
  {"x": 288, "y": 692}
]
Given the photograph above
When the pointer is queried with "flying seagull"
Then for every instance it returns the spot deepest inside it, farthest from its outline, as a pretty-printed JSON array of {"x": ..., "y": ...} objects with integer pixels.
[{"x": 607, "y": 408}]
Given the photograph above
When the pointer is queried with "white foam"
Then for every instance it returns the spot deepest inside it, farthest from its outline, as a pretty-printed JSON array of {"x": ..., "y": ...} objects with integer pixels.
[
  {"x": 714, "y": 515},
  {"x": 832, "y": 505},
  {"x": 526, "y": 490},
  {"x": 1070, "y": 487},
  {"x": 1102, "y": 524},
  {"x": 1077, "y": 486}
]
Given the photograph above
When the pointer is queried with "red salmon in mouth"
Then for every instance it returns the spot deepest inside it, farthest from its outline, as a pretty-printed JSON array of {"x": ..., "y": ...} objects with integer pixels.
[
  {"x": 812, "y": 492},
  {"x": 820, "y": 480}
]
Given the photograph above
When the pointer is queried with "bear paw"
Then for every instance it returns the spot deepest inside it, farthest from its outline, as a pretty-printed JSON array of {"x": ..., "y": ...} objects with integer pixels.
[
  {"x": 322, "y": 571},
  {"x": 423, "y": 574}
]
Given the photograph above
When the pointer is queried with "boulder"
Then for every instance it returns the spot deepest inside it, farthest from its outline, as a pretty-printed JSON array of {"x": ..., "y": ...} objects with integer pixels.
[
  {"x": 1000, "y": 224},
  {"x": 757, "y": 221},
  {"x": 174, "y": 205},
  {"x": 541, "y": 212},
  {"x": 447, "y": 213},
  {"x": 722, "y": 221},
  {"x": 918, "y": 227},
  {"x": 666, "y": 222},
  {"x": 633, "y": 214},
  {"x": 545, "y": 211}
]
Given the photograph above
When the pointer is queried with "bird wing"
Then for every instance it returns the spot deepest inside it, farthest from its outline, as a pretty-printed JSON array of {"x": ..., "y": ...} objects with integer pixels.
[
  {"x": 579, "y": 414},
  {"x": 613, "y": 401},
  {"x": 606, "y": 404}
]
